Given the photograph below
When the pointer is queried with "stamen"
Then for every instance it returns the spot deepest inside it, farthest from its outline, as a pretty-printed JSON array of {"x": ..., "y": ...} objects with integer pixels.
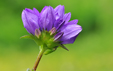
[
  {"x": 52, "y": 31},
  {"x": 37, "y": 33}
]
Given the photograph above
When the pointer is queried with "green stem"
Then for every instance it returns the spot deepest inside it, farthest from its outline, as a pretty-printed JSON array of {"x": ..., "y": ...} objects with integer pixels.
[{"x": 38, "y": 58}]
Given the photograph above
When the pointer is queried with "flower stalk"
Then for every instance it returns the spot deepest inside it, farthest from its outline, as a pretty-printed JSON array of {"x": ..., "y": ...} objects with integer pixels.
[{"x": 38, "y": 58}]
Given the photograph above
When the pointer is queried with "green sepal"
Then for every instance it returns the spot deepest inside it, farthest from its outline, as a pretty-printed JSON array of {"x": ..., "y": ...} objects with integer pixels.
[
  {"x": 62, "y": 46},
  {"x": 37, "y": 40},
  {"x": 48, "y": 51}
]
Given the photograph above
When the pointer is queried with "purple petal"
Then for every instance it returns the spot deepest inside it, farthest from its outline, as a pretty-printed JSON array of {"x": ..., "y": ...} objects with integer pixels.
[
  {"x": 69, "y": 23},
  {"x": 47, "y": 18},
  {"x": 30, "y": 20},
  {"x": 25, "y": 22},
  {"x": 36, "y": 11},
  {"x": 43, "y": 17},
  {"x": 59, "y": 11},
  {"x": 29, "y": 10},
  {"x": 60, "y": 25},
  {"x": 44, "y": 9},
  {"x": 57, "y": 22},
  {"x": 70, "y": 41},
  {"x": 70, "y": 30},
  {"x": 67, "y": 17},
  {"x": 73, "y": 22}
]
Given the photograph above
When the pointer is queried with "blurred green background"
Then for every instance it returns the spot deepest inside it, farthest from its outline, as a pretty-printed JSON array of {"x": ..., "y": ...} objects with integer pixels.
[{"x": 92, "y": 50}]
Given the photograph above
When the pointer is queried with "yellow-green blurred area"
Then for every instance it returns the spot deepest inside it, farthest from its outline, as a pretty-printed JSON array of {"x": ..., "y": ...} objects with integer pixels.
[{"x": 92, "y": 50}]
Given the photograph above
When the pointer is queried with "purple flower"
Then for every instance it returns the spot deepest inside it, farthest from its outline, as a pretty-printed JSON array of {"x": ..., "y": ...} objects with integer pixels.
[{"x": 54, "y": 21}]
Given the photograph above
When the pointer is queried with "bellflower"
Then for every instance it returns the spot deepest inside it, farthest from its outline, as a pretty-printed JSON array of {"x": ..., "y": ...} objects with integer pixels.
[
  {"x": 51, "y": 27},
  {"x": 50, "y": 18}
]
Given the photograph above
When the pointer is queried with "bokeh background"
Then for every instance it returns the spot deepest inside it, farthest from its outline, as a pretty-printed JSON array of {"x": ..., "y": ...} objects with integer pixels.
[{"x": 92, "y": 50}]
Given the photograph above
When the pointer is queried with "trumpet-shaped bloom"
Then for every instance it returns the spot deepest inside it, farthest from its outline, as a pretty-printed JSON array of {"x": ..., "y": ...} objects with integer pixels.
[{"x": 53, "y": 20}]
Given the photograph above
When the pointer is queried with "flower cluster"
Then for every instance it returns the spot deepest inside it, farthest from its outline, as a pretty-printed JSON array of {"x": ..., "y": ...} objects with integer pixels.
[{"x": 51, "y": 26}]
